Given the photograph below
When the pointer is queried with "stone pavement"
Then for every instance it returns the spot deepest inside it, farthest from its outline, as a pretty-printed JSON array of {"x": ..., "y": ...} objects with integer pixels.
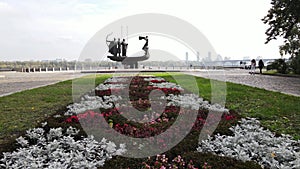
[
  {"x": 11, "y": 82},
  {"x": 287, "y": 85}
]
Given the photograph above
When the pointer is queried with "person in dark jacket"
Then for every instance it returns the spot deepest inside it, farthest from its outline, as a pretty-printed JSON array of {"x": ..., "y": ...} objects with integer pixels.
[{"x": 260, "y": 66}]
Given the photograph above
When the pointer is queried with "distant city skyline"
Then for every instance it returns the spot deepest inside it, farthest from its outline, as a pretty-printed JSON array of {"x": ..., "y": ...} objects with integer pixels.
[{"x": 49, "y": 30}]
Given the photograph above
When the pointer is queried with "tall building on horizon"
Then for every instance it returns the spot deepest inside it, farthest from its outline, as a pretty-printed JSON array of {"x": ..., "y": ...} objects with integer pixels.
[
  {"x": 187, "y": 57},
  {"x": 209, "y": 56}
]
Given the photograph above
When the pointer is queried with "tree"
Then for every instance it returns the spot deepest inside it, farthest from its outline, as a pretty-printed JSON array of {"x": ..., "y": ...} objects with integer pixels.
[{"x": 284, "y": 21}]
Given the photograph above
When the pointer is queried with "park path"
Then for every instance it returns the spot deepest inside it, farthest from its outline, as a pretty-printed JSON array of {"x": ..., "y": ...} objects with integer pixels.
[
  {"x": 287, "y": 85},
  {"x": 12, "y": 82}
]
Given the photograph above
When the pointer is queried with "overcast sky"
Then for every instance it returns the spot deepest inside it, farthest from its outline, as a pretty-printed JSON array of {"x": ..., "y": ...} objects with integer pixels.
[{"x": 51, "y": 29}]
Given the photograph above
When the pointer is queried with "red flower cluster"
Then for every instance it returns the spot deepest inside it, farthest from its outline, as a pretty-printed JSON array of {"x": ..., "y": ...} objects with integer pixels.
[
  {"x": 158, "y": 81},
  {"x": 72, "y": 119},
  {"x": 88, "y": 115},
  {"x": 138, "y": 132},
  {"x": 165, "y": 90},
  {"x": 108, "y": 92},
  {"x": 229, "y": 117}
]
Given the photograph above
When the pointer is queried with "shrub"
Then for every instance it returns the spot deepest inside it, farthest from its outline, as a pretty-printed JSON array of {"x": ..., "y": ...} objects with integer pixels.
[
  {"x": 280, "y": 65},
  {"x": 295, "y": 64}
]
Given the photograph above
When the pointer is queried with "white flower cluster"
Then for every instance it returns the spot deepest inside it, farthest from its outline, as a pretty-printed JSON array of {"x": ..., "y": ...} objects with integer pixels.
[
  {"x": 166, "y": 85},
  {"x": 252, "y": 142},
  {"x": 58, "y": 150},
  {"x": 194, "y": 102},
  {"x": 91, "y": 103},
  {"x": 154, "y": 78},
  {"x": 110, "y": 86},
  {"x": 116, "y": 79}
]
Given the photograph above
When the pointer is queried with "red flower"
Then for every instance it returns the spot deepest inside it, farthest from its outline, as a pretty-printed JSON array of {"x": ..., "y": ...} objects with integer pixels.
[
  {"x": 72, "y": 119},
  {"x": 229, "y": 117}
]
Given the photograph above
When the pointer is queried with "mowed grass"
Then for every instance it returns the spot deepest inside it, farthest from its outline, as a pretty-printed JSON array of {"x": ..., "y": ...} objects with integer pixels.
[
  {"x": 278, "y": 112},
  {"x": 26, "y": 109}
]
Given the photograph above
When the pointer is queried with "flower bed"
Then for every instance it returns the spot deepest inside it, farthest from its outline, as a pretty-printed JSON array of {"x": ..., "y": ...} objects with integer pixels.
[
  {"x": 154, "y": 123},
  {"x": 151, "y": 123}
]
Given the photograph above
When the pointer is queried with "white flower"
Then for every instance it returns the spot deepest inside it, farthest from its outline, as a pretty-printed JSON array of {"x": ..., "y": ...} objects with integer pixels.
[
  {"x": 21, "y": 140},
  {"x": 122, "y": 150},
  {"x": 192, "y": 101},
  {"x": 35, "y": 133},
  {"x": 116, "y": 79},
  {"x": 252, "y": 142},
  {"x": 54, "y": 133},
  {"x": 44, "y": 124},
  {"x": 154, "y": 78},
  {"x": 72, "y": 131},
  {"x": 92, "y": 103},
  {"x": 110, "y": 86},
  {"x": 140, "y": 146},
  {"x": 111, "y": 147},
  {"x": 61, "y": 152},
  {"x": 166, "y": 85},
  {"x": 57, "y": 116}
]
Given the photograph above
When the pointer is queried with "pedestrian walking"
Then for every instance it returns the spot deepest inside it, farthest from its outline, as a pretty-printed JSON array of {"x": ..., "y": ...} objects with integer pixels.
[
  {"x": 253, "y": 65},
  {"x": 260, "y": 66}
]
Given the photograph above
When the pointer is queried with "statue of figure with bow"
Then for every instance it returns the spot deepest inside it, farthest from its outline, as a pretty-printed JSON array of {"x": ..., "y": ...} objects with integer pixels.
[{"x": 113, "y": 46}]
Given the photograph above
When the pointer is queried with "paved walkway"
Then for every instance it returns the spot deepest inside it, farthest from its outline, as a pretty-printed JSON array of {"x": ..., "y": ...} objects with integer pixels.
[
  {"x": 11, "y": 82},
  {"x": 287, "y": 85}
]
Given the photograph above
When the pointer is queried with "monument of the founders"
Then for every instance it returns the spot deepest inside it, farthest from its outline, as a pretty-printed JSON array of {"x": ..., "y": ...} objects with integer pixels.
[{"x": 118, "y": 50}]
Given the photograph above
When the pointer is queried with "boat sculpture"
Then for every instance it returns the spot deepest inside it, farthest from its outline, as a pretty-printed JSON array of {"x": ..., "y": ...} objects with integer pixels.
[{"x": 132, "y": 62}]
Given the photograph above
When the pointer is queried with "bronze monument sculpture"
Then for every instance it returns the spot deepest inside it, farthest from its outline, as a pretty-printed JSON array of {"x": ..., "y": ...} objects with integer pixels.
[{"x": 118, "y": 47}]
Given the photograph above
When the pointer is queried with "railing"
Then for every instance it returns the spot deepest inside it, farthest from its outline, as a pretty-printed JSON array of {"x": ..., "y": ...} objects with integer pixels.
[{"x": 63, "y": 69}]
